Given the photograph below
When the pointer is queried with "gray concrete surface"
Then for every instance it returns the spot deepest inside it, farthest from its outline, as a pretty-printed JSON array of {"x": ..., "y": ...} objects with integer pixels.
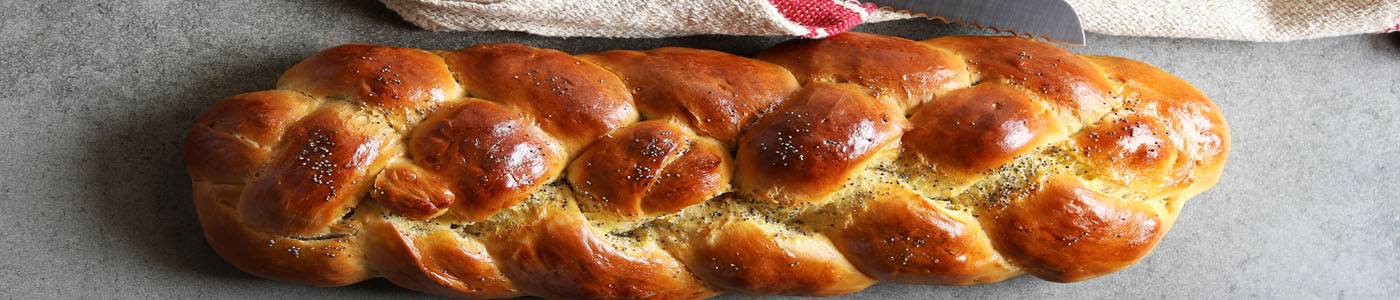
[{"x": 98, "y": 94}]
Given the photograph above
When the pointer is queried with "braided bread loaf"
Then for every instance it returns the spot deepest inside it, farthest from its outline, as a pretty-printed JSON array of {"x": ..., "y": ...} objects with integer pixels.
[{"x": 818, "y": 168}]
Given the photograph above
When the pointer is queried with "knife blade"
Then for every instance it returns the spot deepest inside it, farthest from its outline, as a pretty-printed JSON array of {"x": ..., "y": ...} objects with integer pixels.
[{"x": 1053, "y": 20}]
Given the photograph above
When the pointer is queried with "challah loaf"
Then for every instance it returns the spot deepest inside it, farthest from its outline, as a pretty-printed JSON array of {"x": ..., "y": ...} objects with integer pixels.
[{"x": 818, "y": 168}]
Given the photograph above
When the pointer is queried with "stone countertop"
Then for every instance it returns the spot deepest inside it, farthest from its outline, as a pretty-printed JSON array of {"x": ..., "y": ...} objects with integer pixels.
[{"x": 99, "y": 94}]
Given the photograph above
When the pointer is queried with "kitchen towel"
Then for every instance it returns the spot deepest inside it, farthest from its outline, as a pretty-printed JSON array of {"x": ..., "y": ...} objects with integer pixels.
[{"x": 1249, "y": 20}]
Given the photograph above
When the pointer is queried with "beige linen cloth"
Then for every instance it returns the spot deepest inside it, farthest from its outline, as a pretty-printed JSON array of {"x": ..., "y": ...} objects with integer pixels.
[{"x": 1248, "y": 20}]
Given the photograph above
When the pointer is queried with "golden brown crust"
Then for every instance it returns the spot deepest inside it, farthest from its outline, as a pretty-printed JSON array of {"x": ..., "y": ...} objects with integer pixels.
[
  {"x": 650, "y": 168},
  {"x": 803, "y": 152},
  {"x": 327, "y": 261},
  {"x": 740, "y": 256},
  {"x": 491, "y": 157},
  {"x": 978, "y": 128},
  {"x": 1065, "y": 232},
  {"x": 411, "y": 192},
  {"x": 231, "y": 141},
  {"x": 900, "y": 237},
  {"x": 906, "y": 71},
  {"x": 557, "y": 255},
  {"x": 572, "y": 99},
  {"x": 1168, "y": 137},
  {"x": 441, "y": 170},
  {"x": 1069, "y": 84},
  {"x": 718, "y": 93},
  {"x": 325, "y": 168},
  {"x": 436, "y": 262},
  {"x": 401, "y": 84}
]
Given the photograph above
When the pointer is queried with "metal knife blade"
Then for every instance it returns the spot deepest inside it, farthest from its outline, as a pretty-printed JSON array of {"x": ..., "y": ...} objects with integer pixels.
[{"x": 1053, "y": 20}]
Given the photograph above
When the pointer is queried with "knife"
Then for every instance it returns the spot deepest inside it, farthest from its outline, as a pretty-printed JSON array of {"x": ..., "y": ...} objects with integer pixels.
[{"x": 1053, "y": 20}]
